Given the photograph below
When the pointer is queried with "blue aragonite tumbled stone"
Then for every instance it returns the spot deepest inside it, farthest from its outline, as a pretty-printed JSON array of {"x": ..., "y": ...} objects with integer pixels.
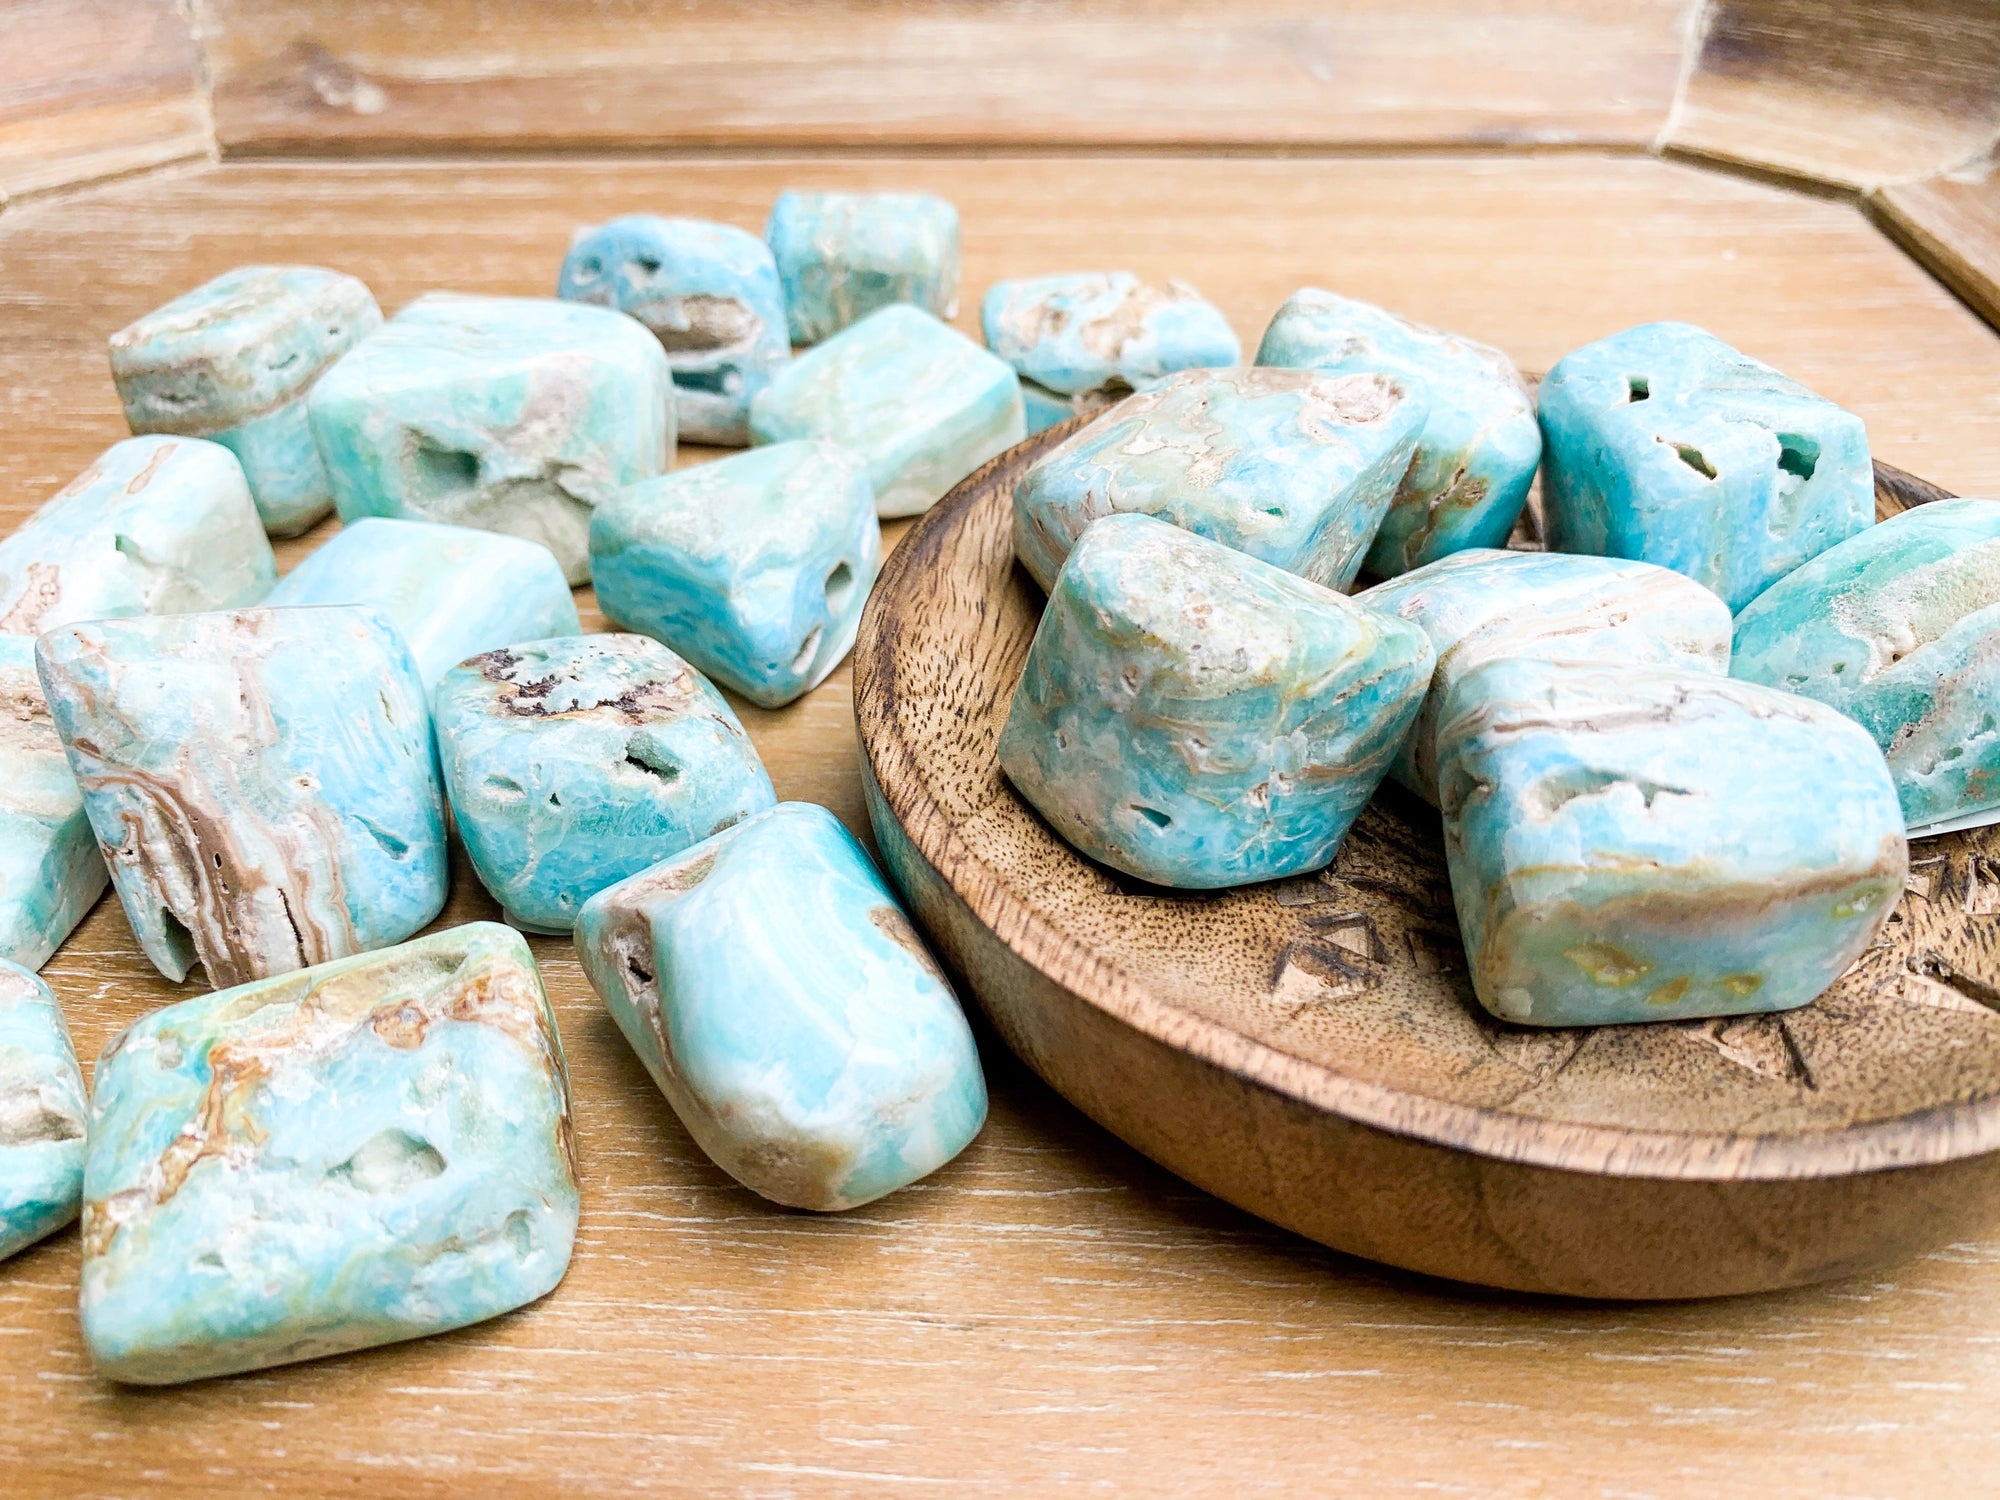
[
  {"x": 155, "y": 525},
  {"x": 843, "y": 255},
  {"x": 1481, "y": 604},
  {"x": 371, "y": 1150},
  {"x": 1664, "y": 444},
  {"x": 1090, "y": 330},
  {"x": 710, "y": 294},
  {"x": 450, "y": 591},
  {"x": 232, "y": 360},
  {"x": 1197, "y": 718},
  {"x": 513, "y": 414},
  {"x": 573, "y": 763},
  {"x": 788, "y": 1011},
  {"x": 1480, "y": 444},
  {"x": 43, "y": 1119},
  {"x": 1294, "y": 468},
  {"x": 1645, "y": 844},
  {"x": 50, "y": 870},
  {"x": 1899, "y": 629},
  {"x": 754, "y": 567},
  {"x": 262, "y": 782},
  {"x": 920, "y": 404}
]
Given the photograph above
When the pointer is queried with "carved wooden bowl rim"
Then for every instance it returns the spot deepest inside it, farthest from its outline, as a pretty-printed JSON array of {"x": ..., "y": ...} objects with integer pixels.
[{"x": 902, "y": 772}]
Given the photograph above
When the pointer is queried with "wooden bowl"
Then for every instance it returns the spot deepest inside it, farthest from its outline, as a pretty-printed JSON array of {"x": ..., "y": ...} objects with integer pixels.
[{"x": 1310, "y": 1049}]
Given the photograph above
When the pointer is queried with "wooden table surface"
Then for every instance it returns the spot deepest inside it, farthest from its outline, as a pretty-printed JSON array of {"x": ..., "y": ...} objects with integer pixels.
[{"x": 1051, "y": 1313}]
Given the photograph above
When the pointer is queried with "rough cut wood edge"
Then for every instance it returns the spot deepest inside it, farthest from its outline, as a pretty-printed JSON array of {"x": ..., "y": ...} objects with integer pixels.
[
  {"x": 96, "y": 88},
  {"x": 1432, "y": 1186},
  {"x": 1951, "y": 224},
  {"x": 1840, "y": 92}
]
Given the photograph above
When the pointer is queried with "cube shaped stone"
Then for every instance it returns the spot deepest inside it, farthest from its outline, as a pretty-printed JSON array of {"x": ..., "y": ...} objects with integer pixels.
[
  {"x": 43, "y": 1119},
  {"x": 370, "y": 1150},
  {"x": 450, "y": 591},
  {"x": 575, "y": 762},
  {"x": 513, "y": 414},
  {"x": 843, "y": 255},
  {"x": 232, "y": 361},
  {"x": 920, "y": 404},
  {"x": 1899, "y": 629},
  {"x": 710, "y": 294},
  {"x": 1092, "y": 331},
  {"x": 262, "y": 782},
  {"x": 50, "y": 870},
  {"x": 1294, "y": 468},
  {"x": 1664, "y": 444},
  {"x": 156, "y": 525},
  {"x": 1642, "y": 844},
  {"x": 1481, "y": 604},
  {"x": 1480, "y": 443},
  {"x": 788, "y": 1011},
  {"x": 1197, "y": 718},
  {"x": 754, "y": 567}
]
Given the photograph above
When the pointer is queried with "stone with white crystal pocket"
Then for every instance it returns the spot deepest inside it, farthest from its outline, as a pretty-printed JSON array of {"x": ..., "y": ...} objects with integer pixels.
[
  {"x": 841, "y": 256},
  {"x": 43, "y": 1120},
  {"x": 1647, "y": 844},
  {"x": 371, "y": 1150},
  {"x": 50, "y": 870},
  {"x": 788, "y": 1011},
  {"x": 512, "y": 414},
  {"x": 232, "y": 361},
  {"x": 262, "y": 782},
  {"x": 572, "y": 763}
]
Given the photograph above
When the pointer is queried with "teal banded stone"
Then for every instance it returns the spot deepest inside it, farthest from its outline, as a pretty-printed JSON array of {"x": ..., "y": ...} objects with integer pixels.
[
  {"x": 450, "y": 591},
  {"x": 1480, "y": 444},
  {"x": 919, "y": 403},
  {"x": 754, "y": 567},
  {"x": 50, "y": 871},
  {"x": 1093, "y": 331},
  {"x": 1197, "y": 718},
  {"x": 710, "y": 294},
  {"x": 43, "y": 1119},
  {"x": 1651, "y": 844},
  {"x": 155, "y": 525},
  {"x": 1899, "y": 629},
  {"x": 1665, "y": 445},
  {"x": 575, "y": 762},
  {"x": 1294, "y": 468},
  {"x": 232, "y": 361},
  {"x": 788, "y": 1011},
  {"x": 511, "y": 414},
  {"x": 366, "y": 1151},
  {"x": 841, "y": 256},
  {"x": 262, "y": 782},
  {"x": 1481, "y": 604}
]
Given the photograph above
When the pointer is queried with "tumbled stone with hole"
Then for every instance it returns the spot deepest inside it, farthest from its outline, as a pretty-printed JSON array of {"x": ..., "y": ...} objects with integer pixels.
[
  {"x": 232, "y": 361},
  {"x": 262, "y": 782},
  {"x": 1648, "y": 844},
  {"x": 1197, "y": 718},
  {"x": 1899, "y": 629},
  {"x": 451, "y": 592},
  {"x": 511, "y": 414},
  {"x": 50, "y": 870},
  {"x": 918, "y": 403},
  {"x": 155, "y": 525},
  {"x": 1482, "y": 603},
  {"x": 754, "y": 567},
  {"x": 788, "y": 1011},
  {"x": 1665, "y": 445},
  {"x": 710, "y": 294},
  {"x": 43, "y": 1119},
  {"x": 370, "y": 1150},
  {"x": 1294, "y": 468},
  {"x": 1097, "y": 331},
  {"x": 575, "y": 762},
  {"x": 1480, "y": 444},
  {"x": 841, "y": 256}
]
